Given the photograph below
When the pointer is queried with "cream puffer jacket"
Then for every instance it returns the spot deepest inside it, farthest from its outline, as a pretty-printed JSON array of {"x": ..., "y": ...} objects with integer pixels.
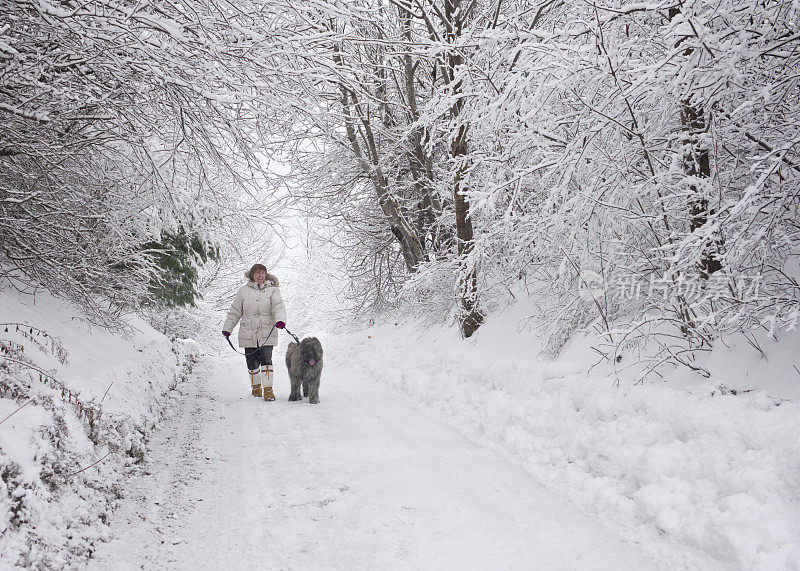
[{"x": 256, "y": 309}]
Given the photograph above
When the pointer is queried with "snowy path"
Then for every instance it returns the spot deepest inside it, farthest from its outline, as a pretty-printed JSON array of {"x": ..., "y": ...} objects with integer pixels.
[{"x": 362, "y": 481}]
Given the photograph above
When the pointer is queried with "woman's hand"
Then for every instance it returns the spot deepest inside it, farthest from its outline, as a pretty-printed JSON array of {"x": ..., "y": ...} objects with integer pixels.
[
  {"x": 280, "y": 325},
  {"x": 226, "y": 334}
]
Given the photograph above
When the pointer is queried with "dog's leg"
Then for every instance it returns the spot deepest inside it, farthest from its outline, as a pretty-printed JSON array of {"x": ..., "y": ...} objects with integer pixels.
[
  {"x": 295, "y": 394},
  {"x": 305, "y": 387},
  {"x": 314, "y": 392}
]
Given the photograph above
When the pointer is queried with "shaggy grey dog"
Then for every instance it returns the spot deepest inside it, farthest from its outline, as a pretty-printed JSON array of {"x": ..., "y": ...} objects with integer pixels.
[{"x": 304, "y": 363}]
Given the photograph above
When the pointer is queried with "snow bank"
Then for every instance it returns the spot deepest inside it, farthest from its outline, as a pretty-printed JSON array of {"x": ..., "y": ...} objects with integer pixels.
[
  {"x": 690, "y": 464},
  {"x": 71, "y": 426}
]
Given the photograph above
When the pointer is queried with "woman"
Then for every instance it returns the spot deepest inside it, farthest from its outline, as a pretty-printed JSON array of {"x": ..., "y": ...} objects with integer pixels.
[{"x": 258, "y": 309}]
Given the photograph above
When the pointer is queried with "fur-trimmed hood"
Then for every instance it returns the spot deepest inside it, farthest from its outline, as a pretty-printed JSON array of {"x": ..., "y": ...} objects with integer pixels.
[{"x": 270, "y": 278}]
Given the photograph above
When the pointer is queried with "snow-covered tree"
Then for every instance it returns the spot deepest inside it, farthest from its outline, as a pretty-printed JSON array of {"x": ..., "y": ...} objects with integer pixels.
[{"x": 120, "y": 121}]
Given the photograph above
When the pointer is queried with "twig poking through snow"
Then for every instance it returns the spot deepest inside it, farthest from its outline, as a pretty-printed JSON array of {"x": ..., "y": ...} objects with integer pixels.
[
  {"x": 105, "y": 393},
  {"x": 89, "y": 466},
  {"x": 23, "y": 406}
]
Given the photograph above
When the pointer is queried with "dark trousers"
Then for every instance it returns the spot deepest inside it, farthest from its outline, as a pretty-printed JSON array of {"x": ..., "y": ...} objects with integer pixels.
[{"x": 257, "y": 357}]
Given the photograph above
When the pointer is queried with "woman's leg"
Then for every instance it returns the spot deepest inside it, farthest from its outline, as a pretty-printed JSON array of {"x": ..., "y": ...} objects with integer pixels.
[
  {"x": 252, "y": 356},
  {"x": 267, "y": 354},
  {"x": 267, "y": 372}
]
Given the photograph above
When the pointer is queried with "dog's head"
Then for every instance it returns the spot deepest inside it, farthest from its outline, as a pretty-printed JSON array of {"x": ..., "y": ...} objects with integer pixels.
[{"x": 311, "y": 351}]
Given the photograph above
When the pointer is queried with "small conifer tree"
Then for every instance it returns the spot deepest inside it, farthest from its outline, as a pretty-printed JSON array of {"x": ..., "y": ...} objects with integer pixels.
[{"x": 177, "y": 256}]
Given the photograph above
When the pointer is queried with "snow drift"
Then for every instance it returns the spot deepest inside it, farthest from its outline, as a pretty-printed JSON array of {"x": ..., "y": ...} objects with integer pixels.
[
  {"x": 713, "y": 469},
  {"x": 76, "y": 407}
]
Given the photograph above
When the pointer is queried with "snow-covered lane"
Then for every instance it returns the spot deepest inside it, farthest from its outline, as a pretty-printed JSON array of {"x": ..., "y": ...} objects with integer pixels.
[{"x": 362, "y": 481}]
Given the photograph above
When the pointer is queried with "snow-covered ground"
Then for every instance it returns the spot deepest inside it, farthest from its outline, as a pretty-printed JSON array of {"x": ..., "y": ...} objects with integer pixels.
[
  {"x": 365, "y": 480},
  {"x": 427, "y": 451},
  {"x": 711, "y": 466}
]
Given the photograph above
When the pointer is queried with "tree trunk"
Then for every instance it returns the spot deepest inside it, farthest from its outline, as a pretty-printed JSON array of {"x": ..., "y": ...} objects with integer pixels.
[
  {"x": 697, "y": 163},
  {"x": 469, "y": 316},
  {"x": 420, "y": 162},
  {"x": 411, "y": 246}
]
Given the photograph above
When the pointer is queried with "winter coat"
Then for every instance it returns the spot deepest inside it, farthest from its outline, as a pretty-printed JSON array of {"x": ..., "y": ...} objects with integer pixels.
[{"x": 256, "y": 309}]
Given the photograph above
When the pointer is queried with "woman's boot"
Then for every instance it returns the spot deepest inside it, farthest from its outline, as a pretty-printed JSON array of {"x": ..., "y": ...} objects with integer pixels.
[
  {"x": 268, "y": 373},
  {"x": 255, "y": 382}
]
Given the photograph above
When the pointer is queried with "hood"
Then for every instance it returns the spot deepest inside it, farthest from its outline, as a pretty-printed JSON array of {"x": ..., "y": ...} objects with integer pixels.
[{"x": 270, "y": 278}]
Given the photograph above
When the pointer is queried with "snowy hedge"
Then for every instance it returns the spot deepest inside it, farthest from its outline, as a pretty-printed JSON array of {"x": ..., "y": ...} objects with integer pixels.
[{"x": 76, "y": 407}]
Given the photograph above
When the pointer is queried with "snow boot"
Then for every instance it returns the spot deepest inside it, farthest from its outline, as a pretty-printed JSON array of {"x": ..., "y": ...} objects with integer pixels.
[
  {"x": 268, "y": 373},
  {"x": 255, "y": 382}
]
